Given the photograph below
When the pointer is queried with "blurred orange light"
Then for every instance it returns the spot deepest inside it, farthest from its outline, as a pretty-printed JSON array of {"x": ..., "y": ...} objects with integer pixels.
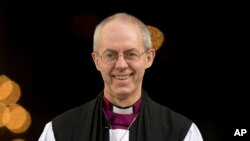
[
  {"x": 13, "y": 116},
  {"x": 9, "y": 91},
  {"x": 3, "y": 78},
  {"x": 157, "y": 37},
  {"x": 4, "y": 114},
  {"x": 20, "y": 119}
]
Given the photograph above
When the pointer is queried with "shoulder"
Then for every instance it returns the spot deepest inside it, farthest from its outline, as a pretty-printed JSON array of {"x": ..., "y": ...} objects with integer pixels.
[
  {"x": 169, "y": 114},
  {"x": 168, "y": 118},
  {"x": 173, "y": 125},
  {"x": 73, "y": 114},
  {"x": 71, "y": 121},
  {"x": 172, "y": 121}
]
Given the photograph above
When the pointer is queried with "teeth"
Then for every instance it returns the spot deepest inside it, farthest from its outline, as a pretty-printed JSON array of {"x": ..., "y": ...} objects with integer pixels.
[{"x": 121, "y": 77}]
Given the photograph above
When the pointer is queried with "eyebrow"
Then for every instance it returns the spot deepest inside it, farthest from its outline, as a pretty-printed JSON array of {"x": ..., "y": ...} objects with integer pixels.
[{"x": 111, "y": 50}]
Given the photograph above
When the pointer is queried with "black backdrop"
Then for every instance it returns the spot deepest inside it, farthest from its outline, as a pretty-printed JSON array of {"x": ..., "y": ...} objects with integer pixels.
[{"x": 200, "y": 71}]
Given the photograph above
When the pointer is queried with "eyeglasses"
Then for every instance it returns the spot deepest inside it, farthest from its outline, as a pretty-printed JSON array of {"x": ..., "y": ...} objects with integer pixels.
[{"x": 110, "y": 56}]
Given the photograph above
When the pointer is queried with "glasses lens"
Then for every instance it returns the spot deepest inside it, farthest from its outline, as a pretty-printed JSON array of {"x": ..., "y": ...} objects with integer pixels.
[
  {"x": 109, "y": 57},
  {"x": 132, "y": 56},
  {"x": 129, "y": 56}
]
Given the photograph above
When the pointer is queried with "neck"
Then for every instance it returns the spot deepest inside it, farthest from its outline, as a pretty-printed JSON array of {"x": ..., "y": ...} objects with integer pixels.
[{"x": 123, "y": 101}]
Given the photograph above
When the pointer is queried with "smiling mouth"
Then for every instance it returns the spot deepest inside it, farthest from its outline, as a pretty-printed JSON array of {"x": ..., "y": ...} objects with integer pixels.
[{"x": 122, "y": 77}]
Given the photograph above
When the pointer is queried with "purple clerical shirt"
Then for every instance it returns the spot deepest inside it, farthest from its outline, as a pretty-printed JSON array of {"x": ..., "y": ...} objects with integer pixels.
[{"x": 120, "y": 121}]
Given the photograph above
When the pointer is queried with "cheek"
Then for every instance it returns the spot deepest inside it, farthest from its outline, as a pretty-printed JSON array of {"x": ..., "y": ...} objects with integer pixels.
[
  {"x": 140, "y": 66},
  {"x": 139, "y": 69},
  {"x": 105, "y": 71},
  {"x": 141, "y": 73}
]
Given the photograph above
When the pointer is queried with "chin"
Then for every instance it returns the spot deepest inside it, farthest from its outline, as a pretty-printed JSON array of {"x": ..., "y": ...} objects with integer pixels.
[{"x": 123, "y": 92}]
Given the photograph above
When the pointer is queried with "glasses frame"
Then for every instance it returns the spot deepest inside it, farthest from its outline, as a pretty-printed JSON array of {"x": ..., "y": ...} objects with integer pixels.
[{"x": 113, "y": 62}]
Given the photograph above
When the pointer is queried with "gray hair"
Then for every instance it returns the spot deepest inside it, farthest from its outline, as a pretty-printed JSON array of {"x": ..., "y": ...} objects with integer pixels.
[{"x": 126, "y": 18}]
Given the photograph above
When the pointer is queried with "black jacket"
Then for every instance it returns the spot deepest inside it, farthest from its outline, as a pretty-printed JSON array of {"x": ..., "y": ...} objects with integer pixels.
[{"x": 154, "y": 123}]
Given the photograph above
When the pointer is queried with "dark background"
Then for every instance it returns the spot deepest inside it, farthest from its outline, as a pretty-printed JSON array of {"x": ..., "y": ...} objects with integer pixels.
[{"x": 200, "y": 71}]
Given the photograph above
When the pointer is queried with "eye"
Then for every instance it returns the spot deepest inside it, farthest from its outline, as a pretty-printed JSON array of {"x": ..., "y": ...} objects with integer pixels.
[
  {"x": 109, "y": 55},
  {"x": 131, "y": 54}
]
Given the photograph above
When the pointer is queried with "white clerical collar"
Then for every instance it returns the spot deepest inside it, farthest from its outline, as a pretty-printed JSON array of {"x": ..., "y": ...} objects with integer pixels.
[{"x": 124, "y": 111}]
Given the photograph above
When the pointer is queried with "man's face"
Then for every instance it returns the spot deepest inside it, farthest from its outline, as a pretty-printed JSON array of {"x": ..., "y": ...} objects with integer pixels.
[{"x": 122, "y": 77}]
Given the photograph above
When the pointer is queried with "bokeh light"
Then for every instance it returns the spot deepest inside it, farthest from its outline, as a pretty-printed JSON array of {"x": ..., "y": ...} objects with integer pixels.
[
  {"x": 9, "y": 91},
  {"x": 157, "y": 37},
  {"x": 4, "y": 114},
  {"x": 13, "y": 116},
  {"x": 19, "y": 119}
]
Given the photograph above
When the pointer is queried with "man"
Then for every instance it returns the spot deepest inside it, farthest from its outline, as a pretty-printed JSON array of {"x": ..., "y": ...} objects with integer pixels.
[{"x": 122, "y": 111}]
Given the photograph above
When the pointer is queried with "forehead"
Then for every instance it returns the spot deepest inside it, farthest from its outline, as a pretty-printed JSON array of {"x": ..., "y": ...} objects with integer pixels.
[{"x": 119, "y": 35}]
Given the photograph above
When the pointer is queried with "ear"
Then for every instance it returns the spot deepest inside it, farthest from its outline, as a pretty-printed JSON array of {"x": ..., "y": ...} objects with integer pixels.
[
  {"x": 96, "y": 60},
  {"x": 150, "y": 57}
]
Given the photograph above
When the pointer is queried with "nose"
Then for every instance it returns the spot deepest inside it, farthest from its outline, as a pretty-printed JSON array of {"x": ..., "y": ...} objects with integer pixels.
[{"x": 121, "y": 63}]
